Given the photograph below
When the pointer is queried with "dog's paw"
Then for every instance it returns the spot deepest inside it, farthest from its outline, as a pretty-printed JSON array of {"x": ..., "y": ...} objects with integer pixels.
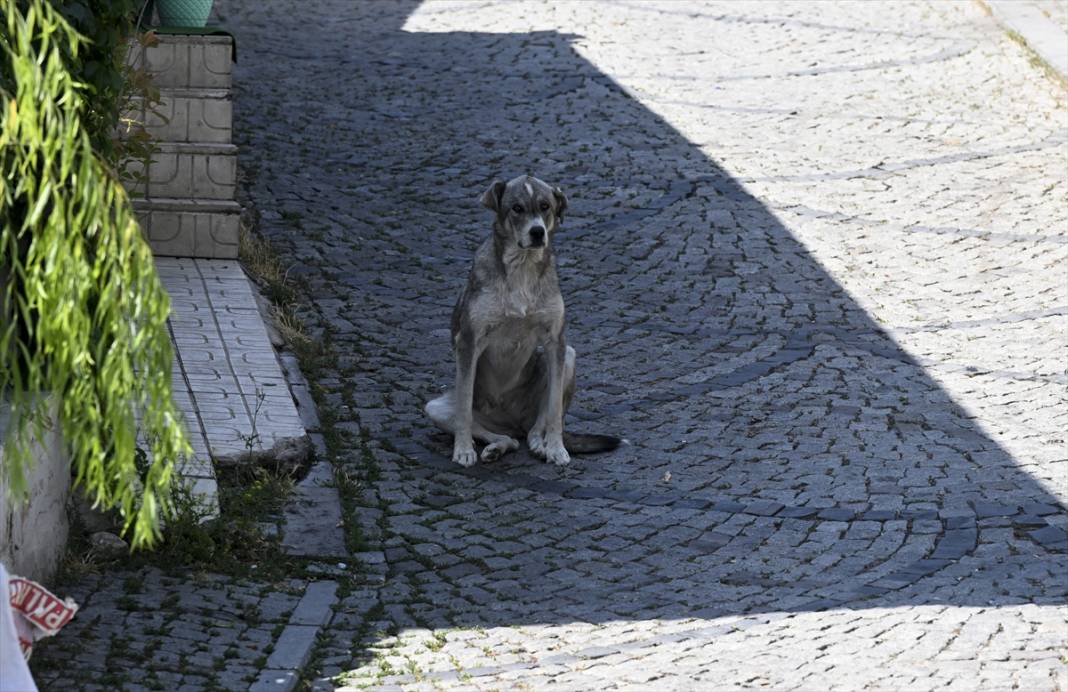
[
  {"x": 557, "y": 454},
  {"x": 464, "y": 455},
  {"x": 536, "y": 442},
  {"x": 493, "y": 452}
]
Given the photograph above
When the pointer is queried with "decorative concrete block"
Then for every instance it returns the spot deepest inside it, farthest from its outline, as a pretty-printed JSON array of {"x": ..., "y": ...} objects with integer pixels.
[
  {"x": 189, "y": 116},
  {"x": 186, "y": 61},
  {"x": 193, "y": 171},
  {"x": 186, "y": 228},
  {"x": 186, "y": 203}
]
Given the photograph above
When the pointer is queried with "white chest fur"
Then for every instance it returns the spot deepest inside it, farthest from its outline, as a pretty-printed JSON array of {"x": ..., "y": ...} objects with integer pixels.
[{"x": 524, "y": 289}]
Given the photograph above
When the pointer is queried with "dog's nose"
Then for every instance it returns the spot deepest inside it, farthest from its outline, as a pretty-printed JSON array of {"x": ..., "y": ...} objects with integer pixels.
[{"x": 537, "y": 235}]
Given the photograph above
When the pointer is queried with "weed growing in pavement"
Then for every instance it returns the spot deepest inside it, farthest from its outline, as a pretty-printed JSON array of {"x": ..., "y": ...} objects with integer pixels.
[
  {"x": 1036, "y": 60},
  {"x": 79, "y": 561},
  {"x": 194, "y": 537},
  {"x": 252, "y": 440},
  {"x": 265, "y": 267},
  {"x": 438, "y": 642}
]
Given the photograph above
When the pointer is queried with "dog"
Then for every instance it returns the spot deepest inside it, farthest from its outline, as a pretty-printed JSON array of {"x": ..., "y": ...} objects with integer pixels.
[{"x": 515, "y": 373}]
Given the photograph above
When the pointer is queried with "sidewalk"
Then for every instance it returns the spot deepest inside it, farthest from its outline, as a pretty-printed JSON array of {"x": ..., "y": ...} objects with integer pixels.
[
  {"x": 147, "y": 628},
  {"x": 228, "y": 382}
]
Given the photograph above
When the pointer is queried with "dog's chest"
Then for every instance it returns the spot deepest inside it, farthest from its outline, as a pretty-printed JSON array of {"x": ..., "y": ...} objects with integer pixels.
[
  {"x": 523, "y": 300},
  {"x": 510, "y": 342},
  {"x": 527, "y": 306},
  {"x": 520, "y": 303},
  {"x": 516, "y": 323},
  {"x": 510, "y": 345}
]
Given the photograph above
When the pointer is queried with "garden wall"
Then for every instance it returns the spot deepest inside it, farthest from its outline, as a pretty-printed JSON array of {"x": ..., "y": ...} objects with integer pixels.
[
  {"x": 186, "y": 206},
  {"x": 33, "y": 534}
]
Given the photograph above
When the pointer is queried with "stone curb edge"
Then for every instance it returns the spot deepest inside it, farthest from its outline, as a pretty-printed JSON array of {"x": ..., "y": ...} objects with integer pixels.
[
  {"x": 1040, "y": 35},
  {"x": 294, "y": 646}
]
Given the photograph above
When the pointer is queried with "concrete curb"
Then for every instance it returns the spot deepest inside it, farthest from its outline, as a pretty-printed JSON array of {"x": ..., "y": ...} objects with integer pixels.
[
  {"x": 1042, "y": 35},
  {"x": 294, "y": 646}
]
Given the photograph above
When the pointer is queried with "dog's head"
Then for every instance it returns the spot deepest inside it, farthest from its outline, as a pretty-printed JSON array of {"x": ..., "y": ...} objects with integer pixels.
[{"x": 528, "y": 210}]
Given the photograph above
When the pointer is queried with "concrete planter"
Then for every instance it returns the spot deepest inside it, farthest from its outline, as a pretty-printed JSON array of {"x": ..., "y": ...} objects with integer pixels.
[
  {"x": 204, "y": 115},
  {"x": 189, "y": 13},
  {"x": 33, "y": 533},
  {"x": 186, "y": 207}
]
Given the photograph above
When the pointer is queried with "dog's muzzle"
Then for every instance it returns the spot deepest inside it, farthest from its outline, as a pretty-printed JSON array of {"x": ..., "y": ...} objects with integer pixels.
[{"x": 537, "y": 236}]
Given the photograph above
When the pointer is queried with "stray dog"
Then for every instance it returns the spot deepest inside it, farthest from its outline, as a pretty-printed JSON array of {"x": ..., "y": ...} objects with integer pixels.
[{"x": 515, "y": 373}]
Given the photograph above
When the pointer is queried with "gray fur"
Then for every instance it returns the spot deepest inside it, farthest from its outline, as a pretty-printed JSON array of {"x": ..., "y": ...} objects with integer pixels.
[{"x": 515, "y": 373}]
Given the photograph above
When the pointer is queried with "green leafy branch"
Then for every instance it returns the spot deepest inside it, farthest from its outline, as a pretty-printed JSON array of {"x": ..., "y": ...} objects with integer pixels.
[{"x": 82, "y": 315}]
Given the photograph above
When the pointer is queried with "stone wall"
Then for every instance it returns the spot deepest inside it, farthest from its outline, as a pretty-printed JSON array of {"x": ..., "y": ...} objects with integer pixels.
[{"x": 33, "y": 533}]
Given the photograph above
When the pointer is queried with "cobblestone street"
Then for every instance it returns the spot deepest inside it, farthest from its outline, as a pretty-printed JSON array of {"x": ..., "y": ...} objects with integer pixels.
[{"x": 814, "y": 265}]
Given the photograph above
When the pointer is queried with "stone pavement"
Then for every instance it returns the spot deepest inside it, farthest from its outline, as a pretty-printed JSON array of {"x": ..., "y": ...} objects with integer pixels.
[{"x": 814, "y": 269}]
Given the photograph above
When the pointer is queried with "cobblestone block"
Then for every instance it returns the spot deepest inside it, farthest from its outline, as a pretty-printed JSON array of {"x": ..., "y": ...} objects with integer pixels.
[{"x": 316, "y": 606}]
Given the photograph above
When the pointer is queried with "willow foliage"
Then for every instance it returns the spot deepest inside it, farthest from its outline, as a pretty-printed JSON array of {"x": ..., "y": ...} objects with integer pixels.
[{"x": 82, "y": 314}]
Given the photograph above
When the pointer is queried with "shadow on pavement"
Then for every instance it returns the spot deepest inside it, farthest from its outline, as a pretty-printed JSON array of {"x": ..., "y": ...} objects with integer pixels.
[{"x": 813, "y": 464}]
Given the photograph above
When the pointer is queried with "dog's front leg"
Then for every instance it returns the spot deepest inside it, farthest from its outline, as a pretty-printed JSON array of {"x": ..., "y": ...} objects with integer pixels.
[
  {"x": 463, "y": 447},
  {"x": 555, "y": 452}
]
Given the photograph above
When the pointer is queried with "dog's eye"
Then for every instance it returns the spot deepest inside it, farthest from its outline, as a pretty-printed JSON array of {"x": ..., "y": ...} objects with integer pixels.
[
  {"x": 518, "y": 209},
  {"x": 545, "y": 206}
]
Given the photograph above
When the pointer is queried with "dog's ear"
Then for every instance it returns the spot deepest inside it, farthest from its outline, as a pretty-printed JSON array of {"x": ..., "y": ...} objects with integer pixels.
[
  {"x": 491, "y": 198},
  {"x": 561, "y": 203}
]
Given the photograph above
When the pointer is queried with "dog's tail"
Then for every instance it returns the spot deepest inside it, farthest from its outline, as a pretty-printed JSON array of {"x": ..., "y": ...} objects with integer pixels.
[{"x": 585, "y": 443}]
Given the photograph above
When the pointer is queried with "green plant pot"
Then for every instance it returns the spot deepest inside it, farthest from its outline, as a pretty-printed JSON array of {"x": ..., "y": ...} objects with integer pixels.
[{"x": 191, "y": 13}]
